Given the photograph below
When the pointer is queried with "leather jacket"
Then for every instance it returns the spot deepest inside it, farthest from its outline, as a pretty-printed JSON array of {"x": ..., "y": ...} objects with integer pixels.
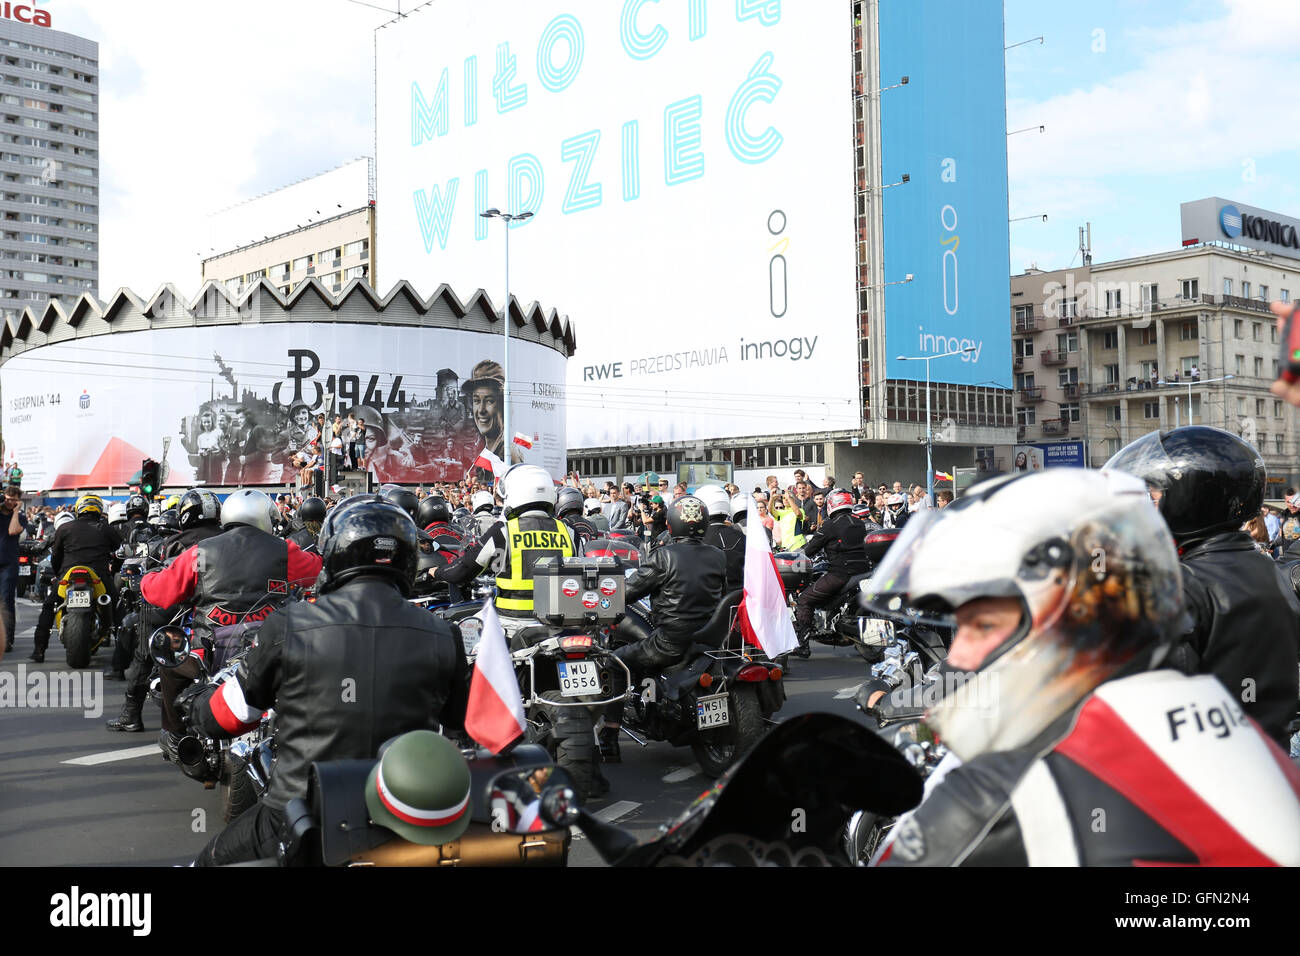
[
  {"x": 303, "y": 538},
  {"x": 1135, "y": 750},
  {"x": 841, "y": 536},
  {"x": 344, "y": 674},
  {"x": 686, "y": 580},
  {"x": 87, "y": 543},
  {"x": 580, "y": 529},
  {"x": 730, "y": 540},
  {"x": 1246, "y": 627}
]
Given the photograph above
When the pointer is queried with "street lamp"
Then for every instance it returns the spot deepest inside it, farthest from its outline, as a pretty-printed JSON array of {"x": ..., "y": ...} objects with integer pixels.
[
  {"x": 929, "y": 424},
  {"x": 1190, "y": 383},
  {"x": 507, "y": 436}
]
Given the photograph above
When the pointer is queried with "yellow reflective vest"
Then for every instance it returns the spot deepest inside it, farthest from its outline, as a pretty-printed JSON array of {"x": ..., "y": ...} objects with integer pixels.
[{"x": 529, "y": 539}]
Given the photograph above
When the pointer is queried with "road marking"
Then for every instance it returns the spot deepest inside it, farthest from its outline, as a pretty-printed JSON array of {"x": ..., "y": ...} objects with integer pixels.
[
  {"x": 110, "y": 755},
  {"x": 846, "y": 693},
  {"x": 608, "y": 815},
  {"x": 680, "y": 774}
]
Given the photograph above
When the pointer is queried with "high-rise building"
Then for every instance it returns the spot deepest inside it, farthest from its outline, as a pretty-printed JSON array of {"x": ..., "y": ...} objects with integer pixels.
[{"x": 49, "y": 162}]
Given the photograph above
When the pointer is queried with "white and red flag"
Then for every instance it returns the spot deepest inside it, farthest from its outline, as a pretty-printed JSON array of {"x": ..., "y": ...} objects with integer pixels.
[
  {"x": 495, "y": 714},
  {"x": 490, "y": 462},
  {"x": 522, "y": 440},
  {"x": 764, "y": 616}
]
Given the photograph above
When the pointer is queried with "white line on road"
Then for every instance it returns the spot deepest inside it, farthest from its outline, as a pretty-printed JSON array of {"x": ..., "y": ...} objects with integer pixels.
[
  {"x": 110, "y": 755},
  {"x": 680, "y": 774},
  {"x": 845, "y": 693},
  {"x": 608, "y": 815}
]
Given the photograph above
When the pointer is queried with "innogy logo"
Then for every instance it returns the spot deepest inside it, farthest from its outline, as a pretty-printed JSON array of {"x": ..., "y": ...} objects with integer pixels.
[
  {"x": 1230, "y": 221},
  {"x": 84, "y": 401}
]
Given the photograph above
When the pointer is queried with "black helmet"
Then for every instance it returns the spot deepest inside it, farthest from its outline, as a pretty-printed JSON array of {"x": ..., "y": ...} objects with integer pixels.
[
  {"x": 137, "y": 508},
  {"x": 199, "y": 506},
  {"x": 368, "y": 535},
  {"x": 687, "y": 517},
  {"x": 432, "y": 509},
  {"x": 568, "y": 501},
  {"x": 1208, "y": 479},
  {"x": 312, "y": 509},
  {"x": 170, "y": 520},
  {"x": 404, "y": 498}
]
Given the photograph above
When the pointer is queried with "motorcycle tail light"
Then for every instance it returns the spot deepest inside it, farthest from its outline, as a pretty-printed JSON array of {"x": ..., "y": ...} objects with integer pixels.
[
  {"x": 79, "y": 578},
  {"x": 576, "y": 641},
  {"x": 706, "y": 680},
  {"x": 753, "y": 673},
  {"x": 575, "y": 655},
  {"x": 22, "y": 559}
]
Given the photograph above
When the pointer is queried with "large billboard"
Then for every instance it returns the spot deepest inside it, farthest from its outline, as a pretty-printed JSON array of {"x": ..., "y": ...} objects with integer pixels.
[
  {"x": 690, "y": 170},
  {"x": 947, "y": 227},
  {"x": 1221, "y": 220},
  {"x": 238, "y": 403}
]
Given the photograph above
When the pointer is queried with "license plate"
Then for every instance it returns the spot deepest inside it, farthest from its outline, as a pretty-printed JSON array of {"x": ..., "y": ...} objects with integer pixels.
[
  {"x": 24, "y": 570},
  {"x": 712, "y": 712},
  {"x": 874, "y": 631},
  {"x": 578, "y": 678},
  {"x": 78, "y": 599}
]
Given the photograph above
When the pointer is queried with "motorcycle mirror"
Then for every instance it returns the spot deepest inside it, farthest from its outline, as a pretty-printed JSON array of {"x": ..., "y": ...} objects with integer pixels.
[
  {"x": 517, "y": 799},
  {"x": 560, "y": 806},
  {"x": 169, "y": 646}
]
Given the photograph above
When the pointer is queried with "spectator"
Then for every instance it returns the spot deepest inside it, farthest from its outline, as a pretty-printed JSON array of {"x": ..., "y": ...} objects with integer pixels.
[
  {"x": 663, "y": 489},
  {"x": 1258, "y": 533},
  {"x": 760, "y": 505},
  {"x": 773, "y": 485},
  {"x": 15, "y": 523},
  {"x": 1291, "y": 519},
  {"x": 788, "y": 534},
  {"x": 943, "y": 498},
  {"x": 14, "y": 476},
  {"x": 920, "y": 500},
  {"x": 1273, "y": 525},
  {"x": 679, "y": 489},
  {"x": 819, "y": 501},
  {"x": 620, "y": 506}
]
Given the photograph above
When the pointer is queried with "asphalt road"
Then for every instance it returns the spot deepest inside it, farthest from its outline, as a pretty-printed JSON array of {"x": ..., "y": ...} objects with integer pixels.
[{"x": 73, "y": 793}]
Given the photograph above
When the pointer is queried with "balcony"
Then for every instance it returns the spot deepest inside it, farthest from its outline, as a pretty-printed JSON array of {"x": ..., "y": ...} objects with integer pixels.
[
  {"x": 1056, "y": 426},
  {"x": 1031, "y": 324},
  {"x": 1033, "y": 393},
  {"x": 1250, "y": 305},
  {"x": 1054, "y": 356},
  {"x": 1020, "y": 432},
  {"x": 1018, "y": 363},
  {"x": 1071, "y": 389},
  {"x": 1066, "y": 320}
]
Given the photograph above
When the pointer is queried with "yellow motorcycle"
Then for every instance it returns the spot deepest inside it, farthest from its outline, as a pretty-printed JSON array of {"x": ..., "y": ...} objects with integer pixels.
[{"x": 83, "y": 617}]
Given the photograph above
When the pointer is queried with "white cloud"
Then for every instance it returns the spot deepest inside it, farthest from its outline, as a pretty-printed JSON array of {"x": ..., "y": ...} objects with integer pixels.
[{"x": 204, "y": 105}]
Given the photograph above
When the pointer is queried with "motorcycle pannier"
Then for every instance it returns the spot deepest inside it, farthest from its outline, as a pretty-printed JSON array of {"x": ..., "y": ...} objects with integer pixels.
[{"x": 578, "y": 591}]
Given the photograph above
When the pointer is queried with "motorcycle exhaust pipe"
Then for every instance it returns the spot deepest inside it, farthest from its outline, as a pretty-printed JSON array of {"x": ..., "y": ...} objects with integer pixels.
[
  {"x": 104, "y": 600},
  {"x": 191, "y": 758}
]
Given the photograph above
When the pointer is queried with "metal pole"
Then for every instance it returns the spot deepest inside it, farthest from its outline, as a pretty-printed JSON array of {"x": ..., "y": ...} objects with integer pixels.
[
  {"x": 1190, "y": 420},
  {"x": 929, "y": 451},
  {"x": 505, "y": 391}
]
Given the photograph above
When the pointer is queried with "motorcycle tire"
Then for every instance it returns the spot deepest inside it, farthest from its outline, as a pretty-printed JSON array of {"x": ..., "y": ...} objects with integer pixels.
[
  {"x": 573, "y": 745},
  {"x": 716, "y": 756},
  {"x": 238, "y": 792},
  {"x": 77, "y": 633}
]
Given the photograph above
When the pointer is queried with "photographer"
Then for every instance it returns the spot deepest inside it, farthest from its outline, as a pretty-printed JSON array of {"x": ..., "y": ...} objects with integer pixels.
[
  {"x": 15, "y": 523},
  {"x": 653, "y": 518}
]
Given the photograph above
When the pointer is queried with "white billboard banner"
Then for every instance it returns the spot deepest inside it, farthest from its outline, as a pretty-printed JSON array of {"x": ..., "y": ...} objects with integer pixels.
[
  {"x": 690, "y": 170},
  {"x": 238, "y": 403}
]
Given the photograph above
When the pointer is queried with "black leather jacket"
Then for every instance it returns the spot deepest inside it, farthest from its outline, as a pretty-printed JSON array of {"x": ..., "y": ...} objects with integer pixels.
[
  {"x": 686, "y": 581},
  {"x": 840, "y": 536},
  {"x": 1246, "y": 627},
  {"x": 304, "y": 539},
  {"x": 344, "y": 674},
  {"x": 580, "y": 529},
  {"x": 730, "y": 540},
  {"x": 84, "y": 542}
]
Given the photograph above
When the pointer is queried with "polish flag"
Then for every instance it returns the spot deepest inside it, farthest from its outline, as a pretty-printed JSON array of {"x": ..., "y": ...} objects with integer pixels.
[
  {"x": 495, "y": 713},
  {"x": 490, "y": 462},
  {"x": 523, "y": 440},
  {"x": 764, "y": 616}
]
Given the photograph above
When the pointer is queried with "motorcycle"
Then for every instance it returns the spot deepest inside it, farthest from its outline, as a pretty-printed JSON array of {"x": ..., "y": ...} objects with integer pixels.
[
  {"x": 718, "y": 700},
  {"x": 785, "y": 804},
  {"x": 83, "y": 618},
  {"x": 30, "y": 553}
]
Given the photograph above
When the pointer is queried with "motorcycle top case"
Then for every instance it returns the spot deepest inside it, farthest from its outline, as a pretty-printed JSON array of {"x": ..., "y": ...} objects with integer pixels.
[
  {"x": 578, "y": 591},
  {"x": 794, "y": 568}
]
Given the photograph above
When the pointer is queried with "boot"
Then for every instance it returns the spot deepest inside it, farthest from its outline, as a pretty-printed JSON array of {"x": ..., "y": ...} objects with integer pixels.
[
  {"x": 609, "y": 751},
  {"x": 130, "y": 720},
  {"x": 42, "y": 640},
  {"x": 167, "y": 742},
  {"x": 803, "y": 651}
]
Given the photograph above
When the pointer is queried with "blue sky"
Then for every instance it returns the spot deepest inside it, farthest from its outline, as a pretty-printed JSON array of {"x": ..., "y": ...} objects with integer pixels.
[{"x": 1147, "y": 103}]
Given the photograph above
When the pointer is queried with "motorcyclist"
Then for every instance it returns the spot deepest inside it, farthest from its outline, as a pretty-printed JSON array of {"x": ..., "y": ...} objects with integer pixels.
[
  {"x": 483, "y": 505},
  {"x": 199, "y": 518},
  {"x": 591, "y": 510},
  {"x": 686, "y": 580},
  {"x": 117, "y": 517},
  {"x": 1056, "y": 704},
  {"x": 840, "y": 536},
  {"x": 137, "y": 534},
  {"x": 722, "y": 534},
  {"x": 568, "y": 508},
  {"x": 88, "y": 541},
  {"x": 434, "y": 516},
  {"x": 1245, "y": 616},
  {"x": 404, "y": 498},
  {"x": 408, "y": 668},
  {"x": 309, "y": 516},
  {"x": 138, "y": 530},
  {"x": 526, "y": 532}
]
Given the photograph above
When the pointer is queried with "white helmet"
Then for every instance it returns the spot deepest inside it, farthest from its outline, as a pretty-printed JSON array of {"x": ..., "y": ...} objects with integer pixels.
[
  {"x": 715, "y": 500},
  {"x": 482, "y": 501},
  {"x": 740, "y": 505},
  {"x": 248, "y": 507},
  {"x": 591, "y": 506},
  {"x": 116, "y": 512},
  {"x": 525, "y": 485}
]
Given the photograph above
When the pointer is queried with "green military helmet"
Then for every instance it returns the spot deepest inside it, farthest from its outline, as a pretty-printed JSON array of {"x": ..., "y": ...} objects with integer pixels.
[{"x": 420, "y": 789}]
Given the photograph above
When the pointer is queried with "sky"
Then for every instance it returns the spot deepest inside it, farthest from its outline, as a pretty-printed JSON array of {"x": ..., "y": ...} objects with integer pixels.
[{"x": 1146, "y": 104}]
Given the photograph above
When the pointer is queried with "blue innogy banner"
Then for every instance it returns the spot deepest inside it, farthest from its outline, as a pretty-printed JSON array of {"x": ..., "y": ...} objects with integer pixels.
[{"x": 946, "y": 129}]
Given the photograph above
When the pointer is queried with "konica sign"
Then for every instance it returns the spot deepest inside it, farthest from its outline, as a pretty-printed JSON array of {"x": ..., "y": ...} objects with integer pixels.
[
  {"x": 1220, "y": 220},
  {"x": 947, "y": 226}
]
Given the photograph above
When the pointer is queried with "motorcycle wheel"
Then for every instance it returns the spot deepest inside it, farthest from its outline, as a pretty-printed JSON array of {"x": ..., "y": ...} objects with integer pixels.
[
  {"x": 77, "y": 634},
  {"x": 715, "y": 758},
  {"x": 238, "y": 792},
  {"x": 864, "y": 834},
  {"x": 573, "y": 744}
]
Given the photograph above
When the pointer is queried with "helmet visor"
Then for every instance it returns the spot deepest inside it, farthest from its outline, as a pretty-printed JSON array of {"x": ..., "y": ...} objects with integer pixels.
[{"x": 1147, "y": 459}]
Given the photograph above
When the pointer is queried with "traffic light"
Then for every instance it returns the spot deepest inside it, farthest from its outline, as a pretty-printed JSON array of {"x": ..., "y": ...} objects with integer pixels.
[{"x": 150, "y": 477}]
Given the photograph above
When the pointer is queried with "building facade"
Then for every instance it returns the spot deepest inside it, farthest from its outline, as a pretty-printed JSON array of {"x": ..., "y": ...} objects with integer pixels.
[{"x": 49, "y": 166}]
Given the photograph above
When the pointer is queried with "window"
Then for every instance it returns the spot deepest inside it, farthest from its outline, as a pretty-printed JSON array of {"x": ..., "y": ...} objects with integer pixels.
[
  {"x": 1067, "y": 376},
  {"x": 1110, "y": 340},
  {"x": 1113, "y": 300},
  {"x": 1245, "y": 289},
  {"x": 1259, "y": 408},
  {"x": 1272, "y": 334},
  {"x": 1147, "y": 336},
  {"x": 1024, "y": 312},
  {"x": 1111, "y": 373},
  {"x": 1190, "y": 288},
  {"x": 1150, "y": 296},
  {"x": 1263, "y": 293},
  {"x": 1257, "y": 330},
  {"x": 363, "y": 245},
  {"x": 1259, "y": 369},
  {"x": 1227, "y": 287},
  {"x": 1025, "y": 416},
  {"x": 1070, "y": 412},
  {"x": 1238, "y": 328},
  {"x": 1241, "y": 407},
  {"x": 1148, "y": 371},
  {"x": 356, "y": 272},
  {"x": 329, "y": 255},
  {"x": 1067, "y": 341},
  {"x": 1277, "y": 443},
  {"x": 1241, "y": 365},
  {"x": 1286, "y": 294},
  {"x": 1150, "y": 409},
  {"x": 1277, "y": 408},
  {"x": 1069, "y": 308},
  {"x": 1024, "y": 380},
  {"x": 1189, "y": 363},
  {"x": 1025, "y": 347},
  {"x": 300, "y": 264},
  {"x": 1113, "y": 413}
]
